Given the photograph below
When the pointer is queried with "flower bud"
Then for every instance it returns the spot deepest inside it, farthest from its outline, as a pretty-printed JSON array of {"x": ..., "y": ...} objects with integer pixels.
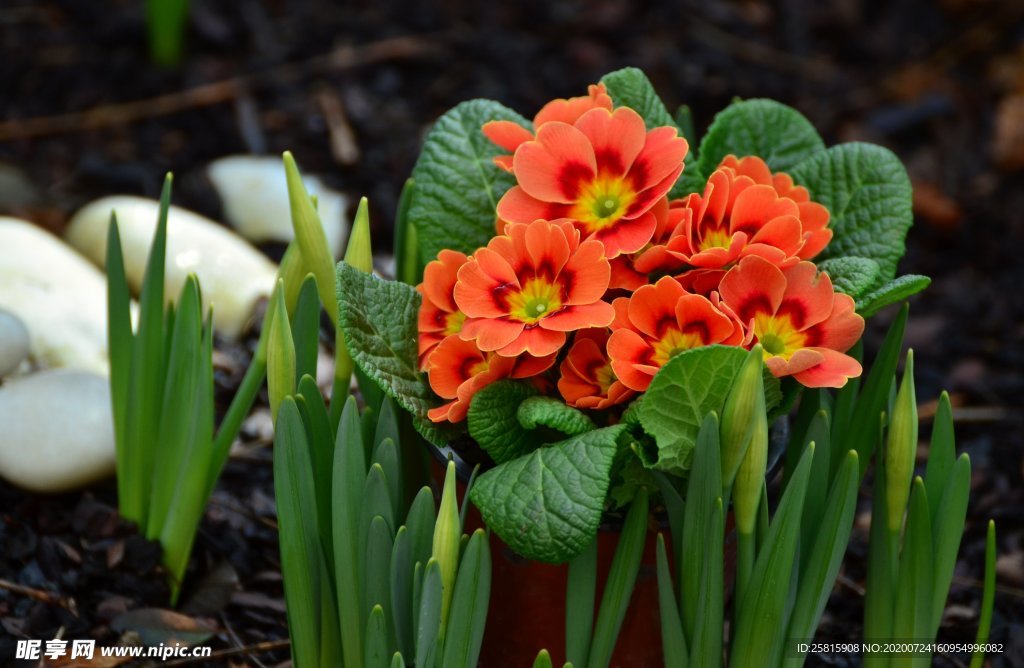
[
  {"x": 901, "y": 447},
  {"x": 447, "y": 536},
  {"x": 359, "y": 252},
  {"x": 750, "y": 476},
  {"x": 309, "y": 233},
  {"x": 280, "y": 353},
  {"x": 743, "y": 408}
]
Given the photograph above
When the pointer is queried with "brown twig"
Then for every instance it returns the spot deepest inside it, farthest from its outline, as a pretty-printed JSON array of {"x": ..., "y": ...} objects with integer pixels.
[
  {"x": 216, "y": 92},
  {"x": 47, "y": 597},
  {"x": 265, "y": 646}
]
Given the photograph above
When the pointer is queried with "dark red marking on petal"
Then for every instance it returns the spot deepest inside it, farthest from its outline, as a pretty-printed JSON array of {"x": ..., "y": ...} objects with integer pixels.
[
  {"x": 499, "y": 295},
  {"x": 752, "y": 306},
  {"x": 609, "y": 161},
  {"x": 796, "y": 311},
  {"x": 700, "y": 328},
  {"x": 571, "y": 176},
  {"x": 567, "y": 281}
]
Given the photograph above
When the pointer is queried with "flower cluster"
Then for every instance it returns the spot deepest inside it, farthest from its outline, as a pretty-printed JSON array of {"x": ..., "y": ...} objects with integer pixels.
[{"x": 595, "y": 278}]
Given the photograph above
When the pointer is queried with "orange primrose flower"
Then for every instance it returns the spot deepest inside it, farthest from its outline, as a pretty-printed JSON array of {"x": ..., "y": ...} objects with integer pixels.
[
  {"x": 587, "y": 379},
  {"x": 604, "y": 173},
  {"x": 746, "y": 210},
  {"x": 657, "y": 322},
  {"x": 530, "y": 286},
  {"x": 510, "y": 135},
  {"x": 439, "y": 316},
  {"x": 803, "y": 326},
  {"x": 457, "y": 370}
]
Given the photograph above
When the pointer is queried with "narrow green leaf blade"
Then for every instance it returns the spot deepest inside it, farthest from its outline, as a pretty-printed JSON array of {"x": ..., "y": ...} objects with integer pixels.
[
  {"x": 468, "y": 614},
  {"x": 672, "y": 638},
  {"x": 580, "y": 598}
]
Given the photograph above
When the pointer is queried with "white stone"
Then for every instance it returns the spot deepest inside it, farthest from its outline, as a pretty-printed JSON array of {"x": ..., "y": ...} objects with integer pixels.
[
  {"x": 14, "y": 342},
  {"x": 233, "y": 275},
  {"x": 59, "y": 296},
  {"x": 254, "y": 193},
  {"x": 58, "y": 431}
]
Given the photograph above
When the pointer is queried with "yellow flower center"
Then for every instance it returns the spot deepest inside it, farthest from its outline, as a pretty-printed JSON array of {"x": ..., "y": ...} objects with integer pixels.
[
  {"x": 605, "y": 378},
  {"x": 778, "y": 336},
  {"x": 537, "y": 299},
  {"x": 602, "y": 202},
  {"x": 453, "y": 323},
  {"x": 715, "y": 238},
  {"x": 480, "y": 367},
  {"x": 674, "y": 342}
]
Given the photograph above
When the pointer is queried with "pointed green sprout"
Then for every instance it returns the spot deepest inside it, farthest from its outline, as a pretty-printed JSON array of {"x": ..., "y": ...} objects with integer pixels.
[
  {"x": 901, "y": 448},
  {"x": 447, "y": 536},
  {"x": 281, "y": 352},
  {"x": 744, "y": 406},
  {"x": 359, "y": 252}
]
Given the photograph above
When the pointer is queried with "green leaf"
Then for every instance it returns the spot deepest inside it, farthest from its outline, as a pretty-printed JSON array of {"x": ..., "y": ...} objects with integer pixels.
[
  {"x": 408, "y": 267},
  {"x": 494, "y": 423},
  {"x": 379, "y": 321},
  {"x": 688, "y": 387},
  {"x": 706, "y": 645},
  {"x": 377, "y": 573},
  {"x": 429, "y": 616},
  {"x": 580, "y": 595},
  {"x": 457, "y": 184},
  {"x": 867, "y": 191},
  {"x": 912, "y": 616},
  {"x": 281, "y": 364},
  {"x": 894, "y": 291},
  {"x": 621, "y": 580},
  {"x": 824, "y": 553},
  {"x": 850, "y": 275},
  {"x": 347, "y": 501},
  {"x": 672, "y": 638},
  {"x": 703, "y": 491},
  {"x": 298, "y": 526},
  {"x": 401, "y": 591},
  {"x": 988, "y": 597},
  {"x": 947, "y": 531},
  {"x": 468, "y": 615},
  {"x": 543, "y": 660},
  {"x": 554, "y": 413},
  {"x": 777, "y": 133},
  {"x": 376, "y": 639},
  {"x": 119, "y": 344},
  {"x": 630, "y": 87},
  {"x": 761, "y": 620},
  {"x": 941, "y": 453},
  {"x": 306, "y": 328},
  {"x": 547, "y": 505}
]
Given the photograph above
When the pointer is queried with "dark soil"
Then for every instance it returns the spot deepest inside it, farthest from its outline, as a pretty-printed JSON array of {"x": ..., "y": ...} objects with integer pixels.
[{"x": 941, "y": 83}]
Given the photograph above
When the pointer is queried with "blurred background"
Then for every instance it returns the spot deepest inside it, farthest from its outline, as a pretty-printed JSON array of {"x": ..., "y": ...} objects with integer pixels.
[{"x": 351, "y": 88}]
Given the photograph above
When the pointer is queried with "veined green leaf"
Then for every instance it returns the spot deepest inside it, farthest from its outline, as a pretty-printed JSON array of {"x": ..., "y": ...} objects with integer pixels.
[
  {"x": 672, "y": 638},
  {"x": 547, "y": 505},
  {"x": 850, "y": 275},
  {"x": 896, "y": 290},
  {"x": 761, "y": 617},
  {"x": 580, "y": 598},
  {"x": 777, "y": 133},
  {"x": 553, "y": 413},
  {"x": 457, "y": 184},
  {"x": 379, "y": 321},
  {"x": 468, "y": 614},
  {"x": 688, "y": 387},
  {"x": 867, "y": 191},
  {"x": 825, "y": 556},
  {"x": 349, "y": 480},
  {"x": 493, "y": 420},
  {"x": 621, "y": 580}
]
